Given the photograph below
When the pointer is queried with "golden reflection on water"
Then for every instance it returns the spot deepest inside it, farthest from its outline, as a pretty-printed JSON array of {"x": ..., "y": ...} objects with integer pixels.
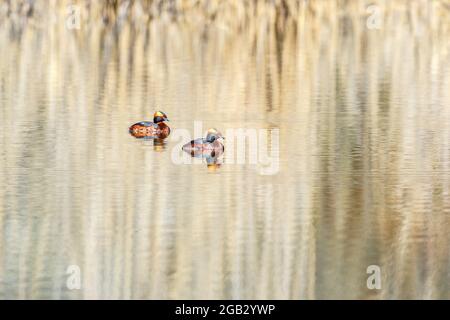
[{"x": 363, "y": 179}]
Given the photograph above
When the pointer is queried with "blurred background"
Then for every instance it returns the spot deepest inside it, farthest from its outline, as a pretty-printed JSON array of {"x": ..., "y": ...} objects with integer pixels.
[{"x": 359, "y": 91}]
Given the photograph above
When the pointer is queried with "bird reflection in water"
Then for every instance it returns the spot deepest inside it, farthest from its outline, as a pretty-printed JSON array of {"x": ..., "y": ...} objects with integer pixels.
[
  {"x": 214, "y": 162},
  {"x": 214, "y": 159},
  {"x": 158, "y": 141},
  {"x": 159, "y": 145}
]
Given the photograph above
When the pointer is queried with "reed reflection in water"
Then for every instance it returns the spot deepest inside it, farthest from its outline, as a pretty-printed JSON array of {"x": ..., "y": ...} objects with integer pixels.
[{"x": 363, "y": 180}]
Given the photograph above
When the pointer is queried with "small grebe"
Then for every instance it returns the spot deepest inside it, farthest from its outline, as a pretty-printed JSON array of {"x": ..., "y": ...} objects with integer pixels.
[
  {"x": 147, "y": 129},
  {"x": 211, "y": 145}
]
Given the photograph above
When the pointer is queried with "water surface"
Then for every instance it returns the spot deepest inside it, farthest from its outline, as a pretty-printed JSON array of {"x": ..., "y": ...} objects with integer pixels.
[{"x": 364, "y": 162}]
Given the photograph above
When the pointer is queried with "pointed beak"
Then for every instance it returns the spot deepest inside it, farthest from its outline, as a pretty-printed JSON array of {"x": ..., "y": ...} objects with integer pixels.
[{"x": 166, "y": 119}]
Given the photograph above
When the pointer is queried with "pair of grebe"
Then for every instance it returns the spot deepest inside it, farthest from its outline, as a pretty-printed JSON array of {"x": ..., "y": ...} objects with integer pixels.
[{"x": 211, "y": 146}]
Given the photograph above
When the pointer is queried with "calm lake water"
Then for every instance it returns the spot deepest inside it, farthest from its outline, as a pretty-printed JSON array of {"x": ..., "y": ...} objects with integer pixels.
[{"x": 363, "y": 153}]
